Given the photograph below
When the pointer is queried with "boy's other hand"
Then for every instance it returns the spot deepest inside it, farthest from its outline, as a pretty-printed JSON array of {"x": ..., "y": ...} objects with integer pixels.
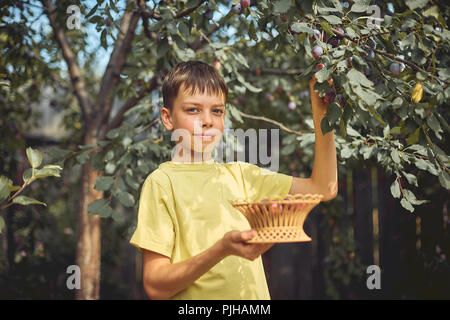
[
  {"x": 319, "y": 105},
  {"x": 235, "y": 243}
]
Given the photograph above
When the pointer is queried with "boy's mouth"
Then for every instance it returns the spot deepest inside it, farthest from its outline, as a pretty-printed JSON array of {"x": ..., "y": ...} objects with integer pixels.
[{"x": 204, "y": 136}]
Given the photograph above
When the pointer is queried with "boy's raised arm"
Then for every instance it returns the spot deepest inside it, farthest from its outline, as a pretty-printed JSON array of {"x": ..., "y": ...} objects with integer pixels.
[
  {"x": 163, "y": 280},
  {"x": 324, "y": 177},
  {"x": 324, "y": 172}
]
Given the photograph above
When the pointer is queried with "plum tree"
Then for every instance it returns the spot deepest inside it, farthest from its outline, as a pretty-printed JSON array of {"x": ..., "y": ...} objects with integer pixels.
[{"x": 275, "y": 34}]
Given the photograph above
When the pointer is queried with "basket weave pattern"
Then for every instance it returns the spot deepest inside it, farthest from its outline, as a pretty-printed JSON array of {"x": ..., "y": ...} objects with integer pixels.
[{"x": 278, "y": 220}]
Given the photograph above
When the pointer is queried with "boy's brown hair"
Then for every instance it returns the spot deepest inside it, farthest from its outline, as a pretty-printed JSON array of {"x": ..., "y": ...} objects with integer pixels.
[{"x": 193, "y": 75}]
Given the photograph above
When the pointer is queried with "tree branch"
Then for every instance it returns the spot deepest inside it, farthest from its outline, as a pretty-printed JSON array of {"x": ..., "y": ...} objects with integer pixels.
[
  {"x": 187, "y": 11},
  {"x": 118, "y": 118},
  {"x": 116, "y": 63},
  {"x": 278, "y": 72},
  {"x": 282, "y": 126},
  {"x": 70, "y": 58},
  {"x": 390, "y": 56}
]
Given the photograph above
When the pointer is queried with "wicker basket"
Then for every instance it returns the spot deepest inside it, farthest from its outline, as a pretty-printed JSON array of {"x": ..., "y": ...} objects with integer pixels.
[{"x": 278, "y": 220}]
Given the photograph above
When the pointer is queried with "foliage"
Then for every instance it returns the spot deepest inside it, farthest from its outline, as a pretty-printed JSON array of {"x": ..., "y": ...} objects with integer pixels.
[
  {"x": 30, "y": 175},
  {"x": 399, "y": 120}
]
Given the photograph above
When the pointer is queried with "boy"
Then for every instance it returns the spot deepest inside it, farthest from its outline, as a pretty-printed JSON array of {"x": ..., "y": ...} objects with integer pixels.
[{"x": 192, "y": 240}]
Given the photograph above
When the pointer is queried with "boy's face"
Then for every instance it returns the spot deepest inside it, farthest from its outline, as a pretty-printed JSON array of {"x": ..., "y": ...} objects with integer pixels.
[{"x": 198, "y": 121}]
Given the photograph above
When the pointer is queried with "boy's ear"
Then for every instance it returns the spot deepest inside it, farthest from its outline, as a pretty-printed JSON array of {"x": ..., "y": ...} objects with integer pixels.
[{"x": 166, "y": 118}]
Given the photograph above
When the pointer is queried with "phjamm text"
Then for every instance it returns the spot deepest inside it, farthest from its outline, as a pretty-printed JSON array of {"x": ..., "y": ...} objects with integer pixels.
[{"x": 227, "y": 310}]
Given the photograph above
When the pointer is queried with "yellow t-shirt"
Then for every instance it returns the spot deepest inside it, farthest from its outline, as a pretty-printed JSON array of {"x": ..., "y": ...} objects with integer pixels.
[{"x": 184, "y": 210}]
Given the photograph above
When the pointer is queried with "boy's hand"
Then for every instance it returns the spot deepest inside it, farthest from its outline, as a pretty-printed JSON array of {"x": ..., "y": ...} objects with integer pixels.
[
  {"x": 234, "y": 243},
  {"x": 319, "y": 105}
]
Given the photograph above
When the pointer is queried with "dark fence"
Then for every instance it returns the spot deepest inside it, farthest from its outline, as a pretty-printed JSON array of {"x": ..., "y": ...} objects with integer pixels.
[{"x": 409, "y": 248}]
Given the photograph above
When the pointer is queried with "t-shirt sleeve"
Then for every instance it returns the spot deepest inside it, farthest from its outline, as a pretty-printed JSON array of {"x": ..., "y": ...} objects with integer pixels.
[
  {"x": 261, "y": 183},
  {"x": 155, "y": 228}
]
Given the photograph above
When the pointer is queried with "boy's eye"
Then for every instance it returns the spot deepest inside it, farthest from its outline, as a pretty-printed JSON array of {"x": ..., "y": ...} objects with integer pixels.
[{"x": 215, "y": 110}]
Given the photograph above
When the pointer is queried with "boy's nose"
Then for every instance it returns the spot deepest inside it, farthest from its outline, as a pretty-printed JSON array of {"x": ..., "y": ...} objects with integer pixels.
[{"x": 206, "y": 120}]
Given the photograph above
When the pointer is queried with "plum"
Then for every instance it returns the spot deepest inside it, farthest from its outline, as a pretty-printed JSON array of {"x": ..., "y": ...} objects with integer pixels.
[
  {"x": 340, "y": 99},
  {"x": 394, "y": 68},
  {"x": 317, "y": 51},
  {"x": 334, "y": 42},
  {"x": 209, "y": 14},
  {"x": 237, "y": 8},
  {"x": 245, "y": 4},
  {"x": 316, "y": 36},
  {"x": 329, "y": 96},
  {"x": 319, "y": 66},
  {"x": 370, "y": 55}
]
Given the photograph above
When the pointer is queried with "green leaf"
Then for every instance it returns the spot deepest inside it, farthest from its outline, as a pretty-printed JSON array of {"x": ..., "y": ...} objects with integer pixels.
[
  {"x": 323, "y": 74},
  {"x": 24, "y": 200},
  {"x": 358, "y": 78},
  {"x": 103, "y": 41},
  {"x": 100, "y": 207},
  {"x": 325, "y": 125},
  {"x": 434, "y": 124},
  {"x": 368, "y": 97},
  {"x": 307, "y": 71},
  {"x": 2, "y": 224},
  {"x": 301, "y": 27},
  {"x": 163, "y": 47},
  {"x": 360, "y": 5},
  {"x": 114, "y": 133},
  {"x": 235, "y": 113},
  {"x": 248, "y": 85},
  {"x": 103, "y": 183},
  {"x": 395, "y": 130},
  {"x": 395, "y": 157},
  {"x": 346, "y": 152},
  {"x": 27, "y": 175},
  {"x": 57, "y": 153},
  {"x": 376, "y": 115},
  {"x": 47, "y": 171},
  {"x": 192, "y": 4},
  {"x": 34, "y": 157},
  {"x": 186, "y": 54},
  {"x": 397, "y": 103},
  {"x": 184, "y": 30},
  {"x": 332, "y": 19},
  {"x": 132, "y": 181},
  {"x": 337, "y": 4},
  {"x": 83, "y": 157},
  {"x": 416, "y": 4},
  {"x": 157, "y": 25},
  {"x": 334, "y": 112},
  {"x": 412, "y": 179},
  {"x": 125, "y": 198},
  {"x": 327, "y": 28},
  {"x": 351, "y": 32},
  {"x": 444, "y": 179},
  {"x": 118, "y": 216},
  {"x": 282, "y": 6},
  {"x": 4, "y": 189},
  {"x": 407, "y": 205},
  {"x": 252, "y": 31},
  {"x": 395, "y": 189},
  {"x": 110, "y": 168}
]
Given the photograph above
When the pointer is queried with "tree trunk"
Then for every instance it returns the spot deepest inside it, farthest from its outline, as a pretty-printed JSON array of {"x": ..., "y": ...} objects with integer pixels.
[{"x": 88, "y": 233}]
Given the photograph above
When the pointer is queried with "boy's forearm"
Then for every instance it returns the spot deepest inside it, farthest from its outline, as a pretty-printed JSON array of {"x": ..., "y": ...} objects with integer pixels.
[
  {"x": 325, "y": 162},
  {"x": 173, "y": 278}
]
